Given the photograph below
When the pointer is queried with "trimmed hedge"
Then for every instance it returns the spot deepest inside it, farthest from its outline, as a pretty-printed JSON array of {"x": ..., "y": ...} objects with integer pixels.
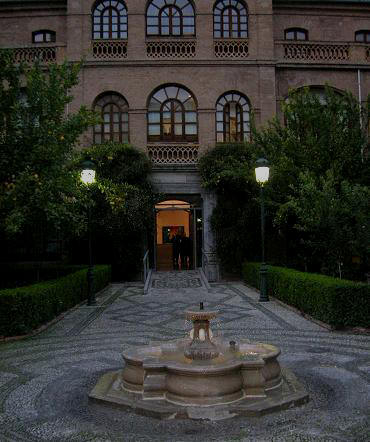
[
  {"x": 25, "y": 308},
  {"x": 337, "y": 302},
  {"x": 28, "y": 273}
]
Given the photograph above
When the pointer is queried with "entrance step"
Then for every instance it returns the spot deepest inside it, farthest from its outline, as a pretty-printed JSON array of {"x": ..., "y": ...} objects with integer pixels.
[{"x": 184, "y": 280}]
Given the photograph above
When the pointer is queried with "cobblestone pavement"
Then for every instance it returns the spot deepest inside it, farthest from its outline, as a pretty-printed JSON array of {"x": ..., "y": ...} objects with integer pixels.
[{"x": 45, "y": 380}]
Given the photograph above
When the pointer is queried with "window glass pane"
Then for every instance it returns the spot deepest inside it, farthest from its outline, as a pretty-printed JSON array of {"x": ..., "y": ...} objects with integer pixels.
[
  {"x": 166, "y": 117},
  {"x": 243, "y": 34},
  {"x": 219, "y": 116},
  {"x": 106, "y": 117},
  {"x": 178, "y": 129},
  {"x": 160, "y": 95},
  {"x": 116, "y": 117},
  {"x": 360, "y": 36},
  {"x": 181, "y": 3},
  {"x": 191, "y": 117},
  {"x": 152, "y": 30},
  {"x": 38, "y": 38},
  {"x": 107, "y": 128},
  {"x": 220, "y": 127},
  {"x": 188, "y": 10},
  {"x": 176, "y": 31},
  {"x": 188, "y": 21},
  {"x": 114, "y": 20},
  {"x": 176, "y": 21},
  {"x": 96, "y": 35},
  {"x": 152, "y": 11},
  {"x": 166, "y": 129},
  {"x": 97, "y": 139},
  {"x": 154, "y": 117},
  {"x": 220, "y": 137},
  {"x": 124, "y": 127},
  {"x": 217, "y": 34},
  {"x": 152, "y": 21},
  {"x": 124, "y": 116},
  {"x": 165, "y": 21},
  {"x": 105, "y": 20},
  {"x": 190, "y": 105},
  {"x": 301, "y": 35},
  {"x": 172, "y": 91},
  {"x": 125, "y": 138},
  {"x": 188, "y": 30},
  {"x": 97, "y": 128},
  {"x": 154, "y": 105},
  {"x": 154, "y": 129},
  {"x": 190, "y": 129},
  {"x": 178, "y": 117},
  {"x": 116, "y": 127},
  {"x": 165, "y": 30},
  {"x": 289, "y": 35},
  {"x": 114, "y": 35}
]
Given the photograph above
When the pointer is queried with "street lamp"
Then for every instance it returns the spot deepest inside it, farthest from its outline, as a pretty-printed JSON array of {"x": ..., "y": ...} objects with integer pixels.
[
  {"x": 262, "y": 175},
  {"x": 88, "y": 177}
]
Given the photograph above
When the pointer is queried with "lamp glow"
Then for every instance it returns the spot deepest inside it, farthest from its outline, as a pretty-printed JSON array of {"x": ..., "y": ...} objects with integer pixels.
[
  {"x": 262, "y": 171},
  {"x": 88, "y": 172}
]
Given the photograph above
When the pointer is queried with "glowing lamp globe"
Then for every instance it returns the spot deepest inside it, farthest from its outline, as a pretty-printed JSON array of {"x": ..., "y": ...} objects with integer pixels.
[
  {"x": 262, "y": 171},
  {"x": 88, "y": 172}
]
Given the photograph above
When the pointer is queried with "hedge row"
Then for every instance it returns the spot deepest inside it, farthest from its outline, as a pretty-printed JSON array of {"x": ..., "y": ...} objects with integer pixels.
[
  {"x": 25, "y": 308},
  {"x": 337, "y": 302},
  {"x": 18, "y": 275}
]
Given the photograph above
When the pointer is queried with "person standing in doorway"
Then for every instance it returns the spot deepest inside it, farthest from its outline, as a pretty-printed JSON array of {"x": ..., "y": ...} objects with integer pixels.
[
  {"x": 176, "y": 246},
  {"x": 185, "y": 252}
]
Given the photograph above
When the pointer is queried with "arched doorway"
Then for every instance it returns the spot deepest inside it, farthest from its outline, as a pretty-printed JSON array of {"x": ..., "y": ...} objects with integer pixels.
[{"x": 182, "y": 218}]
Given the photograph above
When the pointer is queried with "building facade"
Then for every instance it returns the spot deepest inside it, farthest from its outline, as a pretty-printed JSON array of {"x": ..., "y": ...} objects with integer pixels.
[{"x": 173, "y": 77}]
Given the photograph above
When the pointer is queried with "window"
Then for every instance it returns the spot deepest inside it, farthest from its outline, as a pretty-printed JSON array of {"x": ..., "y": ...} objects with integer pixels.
[
  {"x": 172, "y": 115},
  {"x": 230, "y": 19},
  {"x": 295, "y": 34},
  {"x": 171, "y": 18},
  {"x": 232, "y": 118},
  {"x": 43, "y": 36},
  {"x": 109, "y": 20},
  {"x": 362, "y": 36},
  {"x": 113, "y": 109}
]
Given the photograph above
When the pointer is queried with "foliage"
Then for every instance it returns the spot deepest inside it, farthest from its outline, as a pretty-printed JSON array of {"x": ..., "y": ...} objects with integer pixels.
[
  {"x": 333, "y": 218},
  {"x": 338, "y": 302},
  {"x": 29, "y": 307},
  {"x": 316, "y": 138},
  {"x": 27, "y": 273},
  {"x": 228, "y": 169},
  {"x": 37, "y": 139},
  {"x": 124, "y": 201}
]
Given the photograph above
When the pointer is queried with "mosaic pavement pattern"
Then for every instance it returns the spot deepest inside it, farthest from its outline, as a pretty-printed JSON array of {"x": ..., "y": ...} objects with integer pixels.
[{"x": 44, "y": 381}]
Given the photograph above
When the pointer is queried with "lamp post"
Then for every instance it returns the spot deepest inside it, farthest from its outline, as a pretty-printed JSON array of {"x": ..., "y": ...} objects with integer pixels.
[
  {"x": 88, "y": 177},
  {"x": 262, "y": 175}
]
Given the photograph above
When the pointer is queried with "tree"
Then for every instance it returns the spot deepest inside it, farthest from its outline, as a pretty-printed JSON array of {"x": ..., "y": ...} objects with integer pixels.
[
  {"x": 317, "y": 160},
  {"x": 124, "y": 200},
  {"x": 334, "y": 220},
  {"x": 37, "y": 140}
]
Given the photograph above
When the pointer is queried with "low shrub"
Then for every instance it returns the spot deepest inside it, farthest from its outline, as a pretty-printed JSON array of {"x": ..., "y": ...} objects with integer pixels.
[
  {"x": 25, "y": 308},
  {"x": 337, "y": 302},
  {"x": 21, "y": 274}
]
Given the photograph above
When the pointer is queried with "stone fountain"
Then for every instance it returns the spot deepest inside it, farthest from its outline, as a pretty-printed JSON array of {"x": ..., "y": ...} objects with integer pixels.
[{"x": 201, "y": 377}]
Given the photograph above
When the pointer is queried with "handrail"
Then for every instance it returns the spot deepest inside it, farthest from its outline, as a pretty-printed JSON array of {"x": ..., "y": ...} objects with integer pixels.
[{"x": 146, "y": 265}]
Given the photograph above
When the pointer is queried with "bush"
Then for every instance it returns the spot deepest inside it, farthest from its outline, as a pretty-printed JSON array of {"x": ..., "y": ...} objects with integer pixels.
[
  {"x": 25, "y": 308},
  {"x": 338, "y": 302},
  {"x": 20, "y": 274}
]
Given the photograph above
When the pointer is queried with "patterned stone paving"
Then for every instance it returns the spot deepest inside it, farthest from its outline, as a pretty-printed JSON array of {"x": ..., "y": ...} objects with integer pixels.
[{"x": 44, "y": 381}]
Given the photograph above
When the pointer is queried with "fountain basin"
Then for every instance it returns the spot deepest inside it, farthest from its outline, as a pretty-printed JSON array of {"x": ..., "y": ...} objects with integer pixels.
[{"x": 201, "y": 377}]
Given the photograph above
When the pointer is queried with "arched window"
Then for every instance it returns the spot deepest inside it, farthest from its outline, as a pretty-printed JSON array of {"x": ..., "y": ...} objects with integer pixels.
[
  {"x": 109, "y": 20},
  {"x": 232, "y": 118},
  {"x": 170, "y": 18},
  {"x": 362, "y": 36},
  {"x": 172, "y": 115},
  {"x": 296, "y": 34},
  {"x": 43, "y": 36},
  {"x": 230, "y": 19},
  {"x": 113, "y": 109}
]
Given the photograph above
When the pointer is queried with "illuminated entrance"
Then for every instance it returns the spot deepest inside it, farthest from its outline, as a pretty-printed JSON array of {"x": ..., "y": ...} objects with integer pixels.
[{"x": 179, "y": 235}]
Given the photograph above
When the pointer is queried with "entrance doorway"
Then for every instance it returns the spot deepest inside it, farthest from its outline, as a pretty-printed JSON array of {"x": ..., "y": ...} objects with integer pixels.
[{"x": 184, "y": 219}]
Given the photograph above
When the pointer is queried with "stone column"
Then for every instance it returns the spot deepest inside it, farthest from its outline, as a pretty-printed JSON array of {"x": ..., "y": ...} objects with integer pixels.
[{"x": 209, "y": 259}]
